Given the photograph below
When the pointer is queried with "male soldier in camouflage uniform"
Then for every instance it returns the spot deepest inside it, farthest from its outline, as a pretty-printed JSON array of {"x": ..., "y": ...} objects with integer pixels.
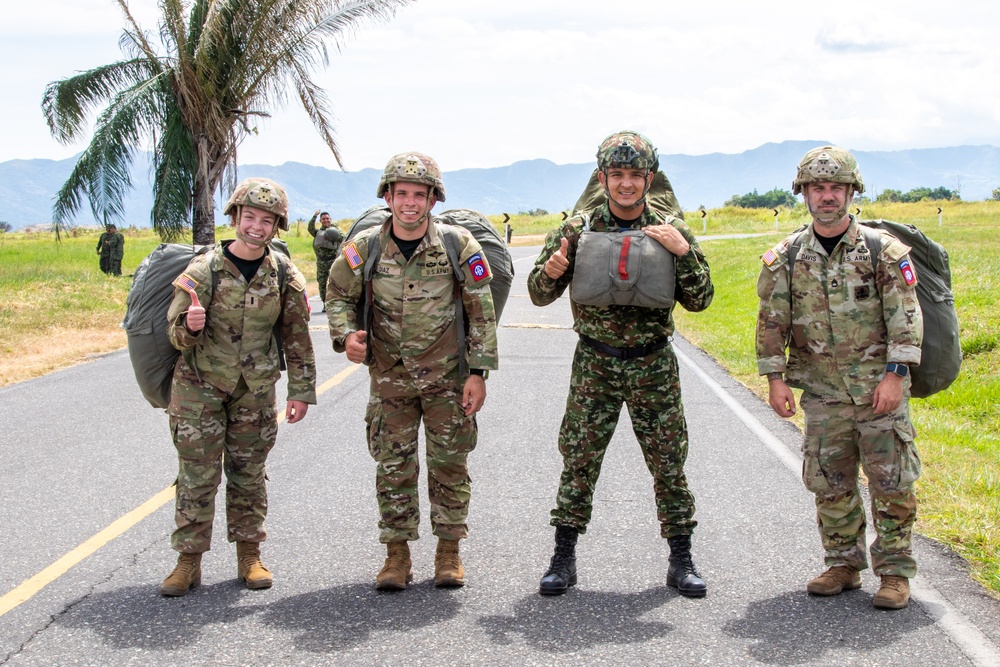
[
  {"x": 411, "y": 347},
  {"x": 624, "y": 356},
  {"x": 850, "y": 332},
  {"x": 223, "y": 413},
  {"x": 111, "y": 248},
  {"x": 326, "y": 245}
]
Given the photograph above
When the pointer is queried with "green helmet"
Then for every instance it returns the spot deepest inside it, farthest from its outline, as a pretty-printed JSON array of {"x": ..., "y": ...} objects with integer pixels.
[
  {"x": 627, "y": 149},
  {"x": 262, "y": 193},
  {"x": 412, "y": 168},
  {"x": 828, "y": 163}
]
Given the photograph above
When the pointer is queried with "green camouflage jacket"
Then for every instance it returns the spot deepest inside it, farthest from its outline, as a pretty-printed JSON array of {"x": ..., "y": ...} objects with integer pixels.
[
  {"x": 325, "y": 249},
  {"x": 111, "y": 245}
]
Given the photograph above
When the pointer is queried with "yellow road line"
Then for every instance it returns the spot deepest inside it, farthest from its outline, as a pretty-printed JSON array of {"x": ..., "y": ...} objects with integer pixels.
[{"x": 30, "y": 587}]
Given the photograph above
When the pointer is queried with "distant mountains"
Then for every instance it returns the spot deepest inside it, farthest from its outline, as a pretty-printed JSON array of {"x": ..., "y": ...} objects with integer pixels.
[{"x": 27, "y": 187}]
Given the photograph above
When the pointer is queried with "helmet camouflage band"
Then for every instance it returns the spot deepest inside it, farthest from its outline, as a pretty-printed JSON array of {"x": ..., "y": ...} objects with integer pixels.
[
  {"x": 828, "y": 163},
  {"x": 262, "y": 193},
  {"x": 412, "y": 168},
  {"x": 627, "y": 149}
]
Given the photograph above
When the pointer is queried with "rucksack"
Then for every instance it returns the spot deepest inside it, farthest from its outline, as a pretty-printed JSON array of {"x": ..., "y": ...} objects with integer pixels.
[
  {"x": 153, "y": 357},
  {"x": 660, "y": 196},
  {"x": 941, "y": 349}
]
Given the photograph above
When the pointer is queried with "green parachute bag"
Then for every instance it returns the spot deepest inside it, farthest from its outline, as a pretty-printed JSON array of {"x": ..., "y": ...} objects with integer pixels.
[{"x": 660, "y": 196}]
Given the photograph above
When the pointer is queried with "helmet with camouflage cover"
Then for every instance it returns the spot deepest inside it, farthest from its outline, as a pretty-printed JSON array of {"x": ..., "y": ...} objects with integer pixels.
[
  {"x": 412, "y": 168},
  {"x": 828, "y": 163},
  {"x": 262, "y": 193},
  {"x": 627, "y": 149}
]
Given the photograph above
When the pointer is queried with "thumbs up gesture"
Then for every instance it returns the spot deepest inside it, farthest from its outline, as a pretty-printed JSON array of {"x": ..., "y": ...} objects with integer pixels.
[
  {"x": 558, "y": 263},
  {"x": 195, "y": 318}
]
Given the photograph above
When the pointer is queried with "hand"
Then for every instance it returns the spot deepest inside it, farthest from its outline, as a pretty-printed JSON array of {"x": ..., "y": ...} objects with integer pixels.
[
  {"x": 474, "y": 394},
  {"x": 781, "y": 398},
  {"x": 888, "y": 394},
  {"x": 670, "y": 238},
  {"x": 295, "y": 411},
  {"x": 356, "y": 347},
  {"x": 195, "y": 319},
  {"x": 558, "y": 263}
]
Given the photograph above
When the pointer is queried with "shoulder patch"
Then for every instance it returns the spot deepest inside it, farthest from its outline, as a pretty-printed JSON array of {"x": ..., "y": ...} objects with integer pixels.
[
  {"x": 351, "y": 254},
  {"x": 775, "y": 256},
  {"x": 908, "y": 271},
  {"x": 478, "y": 267}
]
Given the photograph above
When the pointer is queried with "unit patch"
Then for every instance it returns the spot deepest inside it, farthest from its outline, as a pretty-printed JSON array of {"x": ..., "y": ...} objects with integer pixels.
[
  {"x": 909, "y": 273},
  {"x": 478, "y": 268}
]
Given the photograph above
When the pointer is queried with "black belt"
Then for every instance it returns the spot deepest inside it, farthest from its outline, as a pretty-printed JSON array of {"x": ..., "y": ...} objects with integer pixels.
[{"x": 626, "y": 352}]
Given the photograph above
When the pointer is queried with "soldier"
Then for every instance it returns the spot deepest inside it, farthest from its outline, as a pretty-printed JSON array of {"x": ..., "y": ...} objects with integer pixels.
[
  {"x": 326, "y": 245},
  {"x": 223, "y": 413},
  {"x": 111, "y": 248},
  {"x": 851, "y": 326},
  {"x": 411, "y": 344},
  {"x": 623, "y": 356}
]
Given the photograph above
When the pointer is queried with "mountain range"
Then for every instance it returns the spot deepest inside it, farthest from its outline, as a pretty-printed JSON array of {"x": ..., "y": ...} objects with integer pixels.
[{"x": 27, "y": 187}]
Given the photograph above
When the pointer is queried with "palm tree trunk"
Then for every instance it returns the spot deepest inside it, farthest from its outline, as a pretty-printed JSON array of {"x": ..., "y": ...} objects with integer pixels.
[{"x": 203, "y": 218}]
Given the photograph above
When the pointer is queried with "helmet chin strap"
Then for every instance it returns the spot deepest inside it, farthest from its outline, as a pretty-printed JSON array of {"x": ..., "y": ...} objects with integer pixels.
[
  {"x": 831, "y": 219},
  {"x": 257, "y": 243},
  {"x": 639, "y": 202}
]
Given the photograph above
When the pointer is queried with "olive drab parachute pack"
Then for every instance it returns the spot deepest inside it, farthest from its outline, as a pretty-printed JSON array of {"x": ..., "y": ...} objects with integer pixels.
[
  {"x": 153, "y": 357},
  {"x": 660, "y": 196},
  {"x": 941, "y": 350}
]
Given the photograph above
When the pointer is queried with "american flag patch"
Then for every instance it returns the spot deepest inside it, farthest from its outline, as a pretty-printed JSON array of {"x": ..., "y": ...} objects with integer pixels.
[
  {"x": 909, "y": 274},
  {"x": 352, "y": 255},
  {"x": 769, "y": 257},
  {"x": 186, "y": 283}
]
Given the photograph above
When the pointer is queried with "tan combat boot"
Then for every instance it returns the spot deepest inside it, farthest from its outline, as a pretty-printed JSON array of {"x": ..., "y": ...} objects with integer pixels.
[
  {"x": 448, "y": 570},
  {"x": 894, "y": 593},
  {"x": 250, "y": 569},
  {"x": 186, "y": 575},
  {"x": 398, "y": 568},
  {"x": 835, "y": 580}
]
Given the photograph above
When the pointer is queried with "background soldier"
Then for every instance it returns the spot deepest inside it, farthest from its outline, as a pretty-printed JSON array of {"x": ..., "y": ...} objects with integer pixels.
[
  {"x": 850, "y": 333},
  {"x": 326, "y": 245},
  {"x": 411, "y": 347},
  {"x": 223, "y": 414},
  {"x": 624, "y": 355},
  {"x": 111, "y": 248}
]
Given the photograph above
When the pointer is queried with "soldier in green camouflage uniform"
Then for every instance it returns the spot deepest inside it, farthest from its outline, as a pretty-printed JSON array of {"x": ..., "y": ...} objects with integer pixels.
[
  {"x": 624, "y": 356},
  {"x": 850, "y": 335},
  {"x": 413, "y": 353},
  {"x": 326, "y": 245},
  {"x": 222, "y": 410},
  {"x": 111, "y": 248}
]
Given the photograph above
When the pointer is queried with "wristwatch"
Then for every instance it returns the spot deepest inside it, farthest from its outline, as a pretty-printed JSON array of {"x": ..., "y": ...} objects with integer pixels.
[{"x": 899, "y": 369}]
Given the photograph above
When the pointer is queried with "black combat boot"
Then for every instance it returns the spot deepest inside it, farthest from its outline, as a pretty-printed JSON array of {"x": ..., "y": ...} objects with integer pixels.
[
  {"x": 562, "y": 569},
  {"x": 681, "y": 573}
]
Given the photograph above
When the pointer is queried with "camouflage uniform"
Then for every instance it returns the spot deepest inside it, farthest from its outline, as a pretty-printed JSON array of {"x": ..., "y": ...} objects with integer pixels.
[
  {"x": 222, "y": 408},
  {"x": 600, "y": 383},
  {"x": 326, "y": 245},
  {"x": 111, "y": 247},
  {"x": 841, "y": 324},
  {"x": 415, "y": 372}
]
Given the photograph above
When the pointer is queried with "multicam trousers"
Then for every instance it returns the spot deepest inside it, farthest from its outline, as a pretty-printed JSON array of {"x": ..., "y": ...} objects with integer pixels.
[
  {"x": 650, "y": 387},
  {"x": 395, "y": 409},
  {"x": 323, "y": 275},
  {"x": 212, "y": 432},
  {"x": 839, "y": 438}
]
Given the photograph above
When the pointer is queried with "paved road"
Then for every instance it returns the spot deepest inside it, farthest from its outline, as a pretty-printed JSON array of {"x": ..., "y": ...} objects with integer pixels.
[{"x": 80, "y": 449}]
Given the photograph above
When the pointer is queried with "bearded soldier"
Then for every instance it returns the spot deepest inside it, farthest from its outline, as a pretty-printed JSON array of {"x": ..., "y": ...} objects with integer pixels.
[
  {"x": 845, "y": 329},
  {"x": 326, "y": 246},
  {"x": 417, "y": 366},
  {"x": 223, "y": 413},
  {"x": 624, "y": 353}
]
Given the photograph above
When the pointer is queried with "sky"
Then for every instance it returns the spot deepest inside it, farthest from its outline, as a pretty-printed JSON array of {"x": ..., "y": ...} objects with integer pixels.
[{"x": 485, "y": 83}]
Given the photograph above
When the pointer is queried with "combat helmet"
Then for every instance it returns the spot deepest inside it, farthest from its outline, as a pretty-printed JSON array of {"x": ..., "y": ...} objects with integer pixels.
[
  {"x": 627, "y": 149},
  {"x": 262, "y": 193},
  {"x": 828, "y": 163},
  {"x": 412, "y": 168}
]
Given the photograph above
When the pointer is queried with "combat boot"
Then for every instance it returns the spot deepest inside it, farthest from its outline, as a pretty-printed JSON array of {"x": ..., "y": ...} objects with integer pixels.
[
  {"x": 562, "y": 568},
  {"x": 448, "y": 570},
  {"x": 835, "y": 580},
  {"x": 186, "y": 575},
  {"x": 894, "y": 593},
  {"x": 681, "y": 573},
  {"x": 250, "y": 569},
  {"x": 398, "y": 568}
]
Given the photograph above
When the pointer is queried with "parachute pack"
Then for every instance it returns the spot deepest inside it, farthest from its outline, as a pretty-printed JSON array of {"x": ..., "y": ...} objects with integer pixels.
[
  {"x": 941, "y": 350},
  {"x": 660, "y": 196},
  {"x": 153, "y": 357}
]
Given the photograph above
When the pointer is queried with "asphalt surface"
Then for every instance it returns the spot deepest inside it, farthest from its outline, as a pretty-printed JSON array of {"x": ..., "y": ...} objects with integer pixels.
[{"x": 80, "y": 449}]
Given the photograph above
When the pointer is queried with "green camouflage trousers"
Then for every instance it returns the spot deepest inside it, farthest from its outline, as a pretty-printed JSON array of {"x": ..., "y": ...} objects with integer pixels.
[
  {"x": 839, "y": 438},
  {"x": 395, "y": 409},
  {"x": 214, "y": 432},
  {"x": 650, "y": 387},
  {"x": 323, "y": 275}
]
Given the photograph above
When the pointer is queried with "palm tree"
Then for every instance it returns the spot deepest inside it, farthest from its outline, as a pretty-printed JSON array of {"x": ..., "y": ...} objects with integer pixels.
[{"x": 194, "y": 96}]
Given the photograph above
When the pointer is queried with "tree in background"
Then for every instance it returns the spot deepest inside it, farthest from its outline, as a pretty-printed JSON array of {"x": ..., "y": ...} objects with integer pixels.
[
  {"x": 996, "y": 194},
  {"x": 917, "y": 195},
  {"x": 771, "y": 199},
  {"x": 5, "y": 226},
  {"x": 194, "y": 96}
]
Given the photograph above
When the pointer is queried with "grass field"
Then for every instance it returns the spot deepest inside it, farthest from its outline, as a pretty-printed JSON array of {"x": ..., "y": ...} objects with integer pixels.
[{"x": 58, "y": 309}]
